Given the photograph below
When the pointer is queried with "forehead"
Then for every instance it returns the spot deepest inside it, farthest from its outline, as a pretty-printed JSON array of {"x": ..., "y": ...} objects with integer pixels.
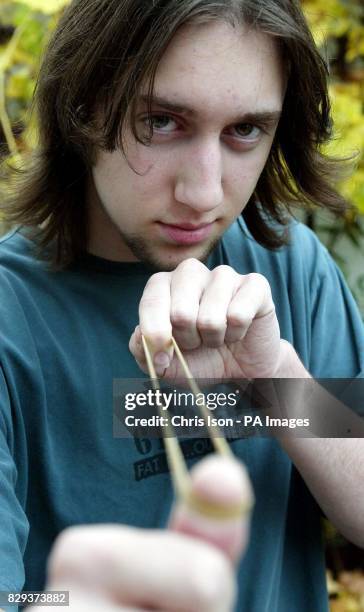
[{"x": 216, "y": 68}]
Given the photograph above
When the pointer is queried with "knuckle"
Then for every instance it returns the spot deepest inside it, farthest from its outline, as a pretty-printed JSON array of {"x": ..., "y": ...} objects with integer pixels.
[
  {"x": 182, "y": 319},
  {"x": 157, "y": 278},
  {"x": 213, "y": 582},
  {"x": 191, "y": 265},
  {"x": 210, "y": 324},
  {"x": 79, "y": 552},
  {"x": 153, "y": 286},
  {"x": 68, "y": 538},
  {"x": 260, "y": 280},
  {"x": 223, "y": 270},
  {"x": 70, "y": 551},
  {"x": 237, "y": 319}
]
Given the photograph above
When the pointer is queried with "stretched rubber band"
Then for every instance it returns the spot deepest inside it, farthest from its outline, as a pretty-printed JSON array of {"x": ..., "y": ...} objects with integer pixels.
[{"x": 176, "y": 462}]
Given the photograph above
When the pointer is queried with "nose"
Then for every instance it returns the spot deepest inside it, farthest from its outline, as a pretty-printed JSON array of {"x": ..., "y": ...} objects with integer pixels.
[{"x": 199, "y": 178}]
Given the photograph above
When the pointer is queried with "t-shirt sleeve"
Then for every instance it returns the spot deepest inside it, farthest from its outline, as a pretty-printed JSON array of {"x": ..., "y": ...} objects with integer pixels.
[
  {"x": 337, "y": 334},
  {"x": 13, "y": 521}
]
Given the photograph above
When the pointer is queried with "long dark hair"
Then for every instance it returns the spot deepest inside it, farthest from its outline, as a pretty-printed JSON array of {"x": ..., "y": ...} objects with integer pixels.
[{"x": 101, "y": 54}]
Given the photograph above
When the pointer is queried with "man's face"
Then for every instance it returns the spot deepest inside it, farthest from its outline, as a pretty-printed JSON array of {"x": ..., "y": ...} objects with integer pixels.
[{"x": 218, "y": 94}]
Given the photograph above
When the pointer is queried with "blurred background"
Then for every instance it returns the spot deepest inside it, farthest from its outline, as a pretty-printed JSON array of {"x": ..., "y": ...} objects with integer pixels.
[{"x": 338, "y": 28}]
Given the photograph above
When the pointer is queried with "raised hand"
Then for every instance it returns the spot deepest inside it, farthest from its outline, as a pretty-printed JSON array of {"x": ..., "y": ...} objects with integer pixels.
[{"x": 224, "y": 322}]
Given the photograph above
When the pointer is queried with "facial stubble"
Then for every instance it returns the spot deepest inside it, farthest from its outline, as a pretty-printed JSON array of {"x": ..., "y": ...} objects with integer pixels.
[{"x": 142, "y": 249}]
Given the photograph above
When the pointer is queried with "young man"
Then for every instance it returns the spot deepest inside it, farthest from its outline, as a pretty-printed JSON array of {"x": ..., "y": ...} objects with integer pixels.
[{"x": 173, "y": 137}]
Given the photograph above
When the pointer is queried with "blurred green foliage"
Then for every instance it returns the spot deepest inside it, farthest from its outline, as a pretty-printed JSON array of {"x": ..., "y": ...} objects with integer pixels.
[
  {"x": 338, "y": 28},
  {"x": 24, "y": 30}
]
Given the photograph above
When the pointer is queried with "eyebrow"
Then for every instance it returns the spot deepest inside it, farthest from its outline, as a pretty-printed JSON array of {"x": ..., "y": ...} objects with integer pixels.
[{"x": 265, "y": 116}]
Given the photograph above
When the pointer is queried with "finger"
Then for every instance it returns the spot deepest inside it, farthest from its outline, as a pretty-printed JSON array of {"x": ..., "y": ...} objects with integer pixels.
[
  {"x": 154, "y": 319},
  {"x": 252, "y": 300},
  {"x": 223, "y": 481},
  {"x": 144, "y": 568},
  {"x": 187, "y": 286},
  {"x": 137, "y": 350},
  {"x": 212, "y": 315},
  {"x": 136, "y": 347}
]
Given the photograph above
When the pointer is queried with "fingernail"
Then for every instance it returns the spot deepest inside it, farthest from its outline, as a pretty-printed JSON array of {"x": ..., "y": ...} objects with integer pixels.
[{"x": 161, "y": 360}]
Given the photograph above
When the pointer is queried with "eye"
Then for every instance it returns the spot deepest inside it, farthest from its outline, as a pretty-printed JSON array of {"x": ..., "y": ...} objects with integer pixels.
[
  {"x": 161, "y": 123},
  {"x": 247, "y": 131}
]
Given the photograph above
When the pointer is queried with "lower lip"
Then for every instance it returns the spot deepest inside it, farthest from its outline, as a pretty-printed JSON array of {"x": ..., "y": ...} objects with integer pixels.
[{"x": 183, "y": 236}]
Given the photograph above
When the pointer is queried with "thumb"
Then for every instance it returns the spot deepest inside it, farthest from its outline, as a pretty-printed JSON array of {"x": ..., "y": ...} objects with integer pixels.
[{"x": 223, "y": 483}]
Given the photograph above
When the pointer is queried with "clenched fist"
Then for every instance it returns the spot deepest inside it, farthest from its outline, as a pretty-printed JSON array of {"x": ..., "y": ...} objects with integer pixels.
[{"x": 224, "y": 322}]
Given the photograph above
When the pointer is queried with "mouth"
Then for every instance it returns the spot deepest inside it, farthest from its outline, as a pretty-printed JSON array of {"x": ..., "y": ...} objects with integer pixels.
[{"x": 186, "y": 233}]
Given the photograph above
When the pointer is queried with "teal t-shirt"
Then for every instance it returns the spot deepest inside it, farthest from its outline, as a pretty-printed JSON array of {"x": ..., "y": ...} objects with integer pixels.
[{"x": 64, "y": 338}]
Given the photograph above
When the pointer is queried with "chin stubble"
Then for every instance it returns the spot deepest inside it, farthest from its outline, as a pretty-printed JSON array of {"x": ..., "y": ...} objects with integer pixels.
[{"x": 143, "y": 251}]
